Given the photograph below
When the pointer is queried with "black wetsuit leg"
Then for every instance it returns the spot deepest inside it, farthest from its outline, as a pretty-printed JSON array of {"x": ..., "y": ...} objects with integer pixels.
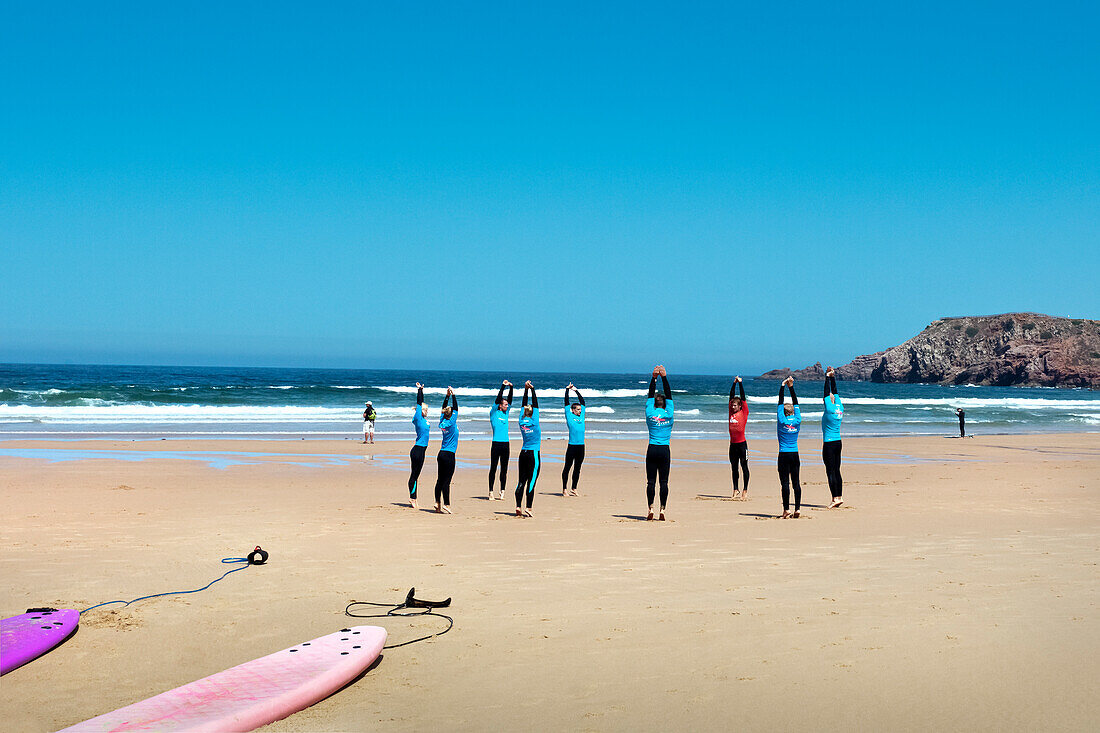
[
  {"x": 739, "y": 456},
  {"x": 830, "y": 454},
  {"x": 526, "y": 472},
  {"x": 788, "y": 465},
  {"x": 416, "y": 456},
  {"x": 445, "y": 463},
  {"x": 658, "y": 460},
  {"x": 574, "y": 457},
  {"x": 498, "y": 453}
]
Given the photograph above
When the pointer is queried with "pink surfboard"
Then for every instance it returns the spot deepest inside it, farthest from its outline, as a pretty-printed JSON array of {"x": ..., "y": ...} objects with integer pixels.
[
  {"x": 254, "y": 693},
  {"x": 32, "y": 634}
]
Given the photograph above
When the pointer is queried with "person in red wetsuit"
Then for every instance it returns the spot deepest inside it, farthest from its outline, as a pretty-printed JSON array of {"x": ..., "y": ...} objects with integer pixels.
[{"x": 739, "y": 447}]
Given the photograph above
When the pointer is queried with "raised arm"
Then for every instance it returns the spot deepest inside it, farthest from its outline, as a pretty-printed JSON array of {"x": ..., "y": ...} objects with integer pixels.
[
  {"x": 741, "y": 389},
  {"x": 567, "y": 398},
  {"x": 526, "y": 389},
  {"x": 794, "y": 397},
  {"x": 454, "y": 401},
  {"x": 782, "y": 386},
  {"x": 668, "y": 391},
  {"x": 534, "y": 399},
  {"x": 500, "y": 395},
  {"x": 832, "y": 385},
  {"x": 652, "y": 386},
  {"x": 419, "y": 394},
  {"x": 579, "y": 398},
  {"x": 733, "y": 389}
]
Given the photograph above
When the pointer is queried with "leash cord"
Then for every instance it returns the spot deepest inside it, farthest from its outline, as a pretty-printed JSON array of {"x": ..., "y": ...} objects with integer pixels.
[
  {"x": 225, "y": 560},
  {"x": 395, "y": 610}
]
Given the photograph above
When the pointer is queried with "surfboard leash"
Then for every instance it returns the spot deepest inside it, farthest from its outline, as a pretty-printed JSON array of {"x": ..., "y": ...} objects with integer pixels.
[
  {"x": 411, "y": 606},
  {"x": 256, "y": 557}
]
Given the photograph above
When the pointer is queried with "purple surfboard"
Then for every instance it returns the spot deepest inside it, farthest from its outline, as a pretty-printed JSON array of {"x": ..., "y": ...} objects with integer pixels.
[{"x": 32, "y": 634}]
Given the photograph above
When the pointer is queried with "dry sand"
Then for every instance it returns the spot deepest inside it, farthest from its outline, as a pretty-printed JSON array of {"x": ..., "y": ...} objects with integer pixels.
[{"x": 956, "y": 589}]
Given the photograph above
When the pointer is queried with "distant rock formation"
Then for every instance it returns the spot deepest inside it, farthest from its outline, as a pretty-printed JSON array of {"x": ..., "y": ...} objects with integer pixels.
[{"x": 1008, "y": 349}]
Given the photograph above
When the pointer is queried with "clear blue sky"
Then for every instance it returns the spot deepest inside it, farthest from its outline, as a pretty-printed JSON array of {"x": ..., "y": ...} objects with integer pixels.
[{"x": 586, "y": 186}]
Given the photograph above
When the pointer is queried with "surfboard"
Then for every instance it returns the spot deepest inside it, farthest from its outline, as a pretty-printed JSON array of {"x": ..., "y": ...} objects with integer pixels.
[
  {"x": 255, "y": 693},
  {"x": 32, "y": 634}
]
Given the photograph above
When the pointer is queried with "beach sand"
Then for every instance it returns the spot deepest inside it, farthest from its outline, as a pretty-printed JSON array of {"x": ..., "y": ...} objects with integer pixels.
[{"x": 957, "y": 588}]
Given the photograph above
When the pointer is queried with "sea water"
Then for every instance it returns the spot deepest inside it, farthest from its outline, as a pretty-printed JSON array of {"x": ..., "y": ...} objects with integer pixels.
[{"x": 146, "y": 402}]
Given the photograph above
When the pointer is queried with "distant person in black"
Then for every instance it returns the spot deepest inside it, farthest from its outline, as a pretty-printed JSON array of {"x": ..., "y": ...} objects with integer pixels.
[{"x": 962, "y": 422}]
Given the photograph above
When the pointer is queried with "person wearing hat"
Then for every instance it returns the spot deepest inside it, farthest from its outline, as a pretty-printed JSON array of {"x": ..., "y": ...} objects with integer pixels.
[{"x": 368, "y": 424}]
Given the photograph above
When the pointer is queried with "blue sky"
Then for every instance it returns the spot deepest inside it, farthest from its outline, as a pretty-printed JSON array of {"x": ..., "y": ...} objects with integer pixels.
[{"x": 722, "y": 188}]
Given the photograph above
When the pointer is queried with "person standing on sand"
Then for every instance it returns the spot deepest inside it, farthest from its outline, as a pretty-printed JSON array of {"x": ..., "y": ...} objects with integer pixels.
[
  {"x": 445, "y": 460},
  {"x": 830, "y": 438},
  {"x": 529, "y": 455},
  {"x": 420, "y": 447},
  {"x": 739, "y": 446},
  {"x": 962, "y": 421},
  {"x": 500, "y": 448},
  {"x": 788, "y": 421},
  {"x": 368, "y": 424},
  {"x": 658, "y": 458},
  {"x": 574, "y": 452}
]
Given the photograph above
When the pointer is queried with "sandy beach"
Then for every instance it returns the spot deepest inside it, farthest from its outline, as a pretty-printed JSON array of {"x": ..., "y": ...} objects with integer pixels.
[{"x": 956, "y": 589}]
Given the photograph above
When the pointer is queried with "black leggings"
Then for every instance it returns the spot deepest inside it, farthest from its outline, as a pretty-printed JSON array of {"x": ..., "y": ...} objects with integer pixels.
[
  {"x": 788, "y": 474},
  {"x": 739, "y": 454},
  {"x": 529, "y": 468},
  {"x": 445, "y": 462},
  {"x": 574, "y": 457},
  {"x": 658, "y": 460},
  {"x": 830, "y": 453},
  {"x": 416, "y": 455},
  {"x": 498, "y": 452}
]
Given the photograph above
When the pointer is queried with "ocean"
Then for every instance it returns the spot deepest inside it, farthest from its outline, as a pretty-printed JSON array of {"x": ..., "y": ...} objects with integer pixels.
[{"x": 67, "y": 402}]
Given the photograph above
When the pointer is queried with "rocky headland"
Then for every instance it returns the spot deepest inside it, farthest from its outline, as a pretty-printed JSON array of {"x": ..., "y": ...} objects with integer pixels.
[{"x": 1008, "y": 349}]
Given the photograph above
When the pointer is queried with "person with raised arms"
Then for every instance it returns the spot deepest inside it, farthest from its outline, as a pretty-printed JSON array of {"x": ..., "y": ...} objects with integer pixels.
[
  {"x": 787, "y": 424},
  {"x": 500, "y": 449},
  {"x": 445, "y": 460},
  {"x": 420, "y": 447},
  {"x": 529, "y": 463},
  {"x": 658, "y": 458},
  {"x": 739, "y": 446},
  {"x": 574, "y": 452},
  {"x": 830, "y": 438}
]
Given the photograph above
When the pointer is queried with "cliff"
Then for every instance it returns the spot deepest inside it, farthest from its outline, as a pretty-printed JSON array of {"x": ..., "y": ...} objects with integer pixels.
[{"x": 1008, "y": 349}]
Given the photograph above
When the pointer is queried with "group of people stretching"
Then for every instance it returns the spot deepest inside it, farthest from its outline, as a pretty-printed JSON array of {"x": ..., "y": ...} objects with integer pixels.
[{"x": 659, "y": 417}]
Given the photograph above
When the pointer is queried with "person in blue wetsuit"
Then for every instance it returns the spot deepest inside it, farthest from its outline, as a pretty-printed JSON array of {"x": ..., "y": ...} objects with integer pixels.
[
  {"x": 420, "y": 447},
  {"x": 529, "y": 463},
  {"x": 658, "y": 458},
  {"x": 830, "y": 438},
  {"x": 499, "y": 450},
  {"x": 788, "y": 421},
  {"x": 445, "y": 460},
  {"x": 574, "y": 452}
]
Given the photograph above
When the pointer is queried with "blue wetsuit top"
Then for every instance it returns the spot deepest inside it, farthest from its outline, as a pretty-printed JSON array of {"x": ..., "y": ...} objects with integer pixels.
[
  {"x": 575, "y": 423},
  {"x": 529, "y": 427},
  {"x": 659, "y": 420},
  {"x": 449, "y": 427},
  {"x": 498, "y": 418},
  {"x": 786, "y": 428},
  {"x": 420, "y": 423},
  {"x": 834, "y": 412}
]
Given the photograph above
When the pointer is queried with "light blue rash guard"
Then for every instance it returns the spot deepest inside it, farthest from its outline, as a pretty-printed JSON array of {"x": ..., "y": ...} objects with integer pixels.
[
  {"x": 787, "y": 428},
  {"x": 575, "y": 423},
  {"x": 830, "y": 419},
  {"x": 659, "y": 421},
  {"x": 449, "y": 427},
  {"x": 420, "y": 424},
  {"x": 498, "y": 418},
  {"x": 530, "y": 430}
]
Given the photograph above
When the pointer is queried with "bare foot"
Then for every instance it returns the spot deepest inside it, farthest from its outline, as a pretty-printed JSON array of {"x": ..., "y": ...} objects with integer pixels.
[
  {"x": 446, "y": 510},
  {"x": 662, "y": 516},
  {"x": 745, "y": 495},
  {"x": 526, "y": 512},
  {"x": 839, "y": 501},
  {"x": 563, "y": 493},
  {"x": 573, "y": 492},
  {"x": 796, "y": 514},
  {"x": 833, "y": 504},
  {"x": 650, "y": 517},
  {"x": 736, "y": 495},
  {"x": 412, "y": 503},
  {"x": 519, "y": 512},
  {"x": 438, "y": 509},
  {"x": 785, "y": 515}
]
